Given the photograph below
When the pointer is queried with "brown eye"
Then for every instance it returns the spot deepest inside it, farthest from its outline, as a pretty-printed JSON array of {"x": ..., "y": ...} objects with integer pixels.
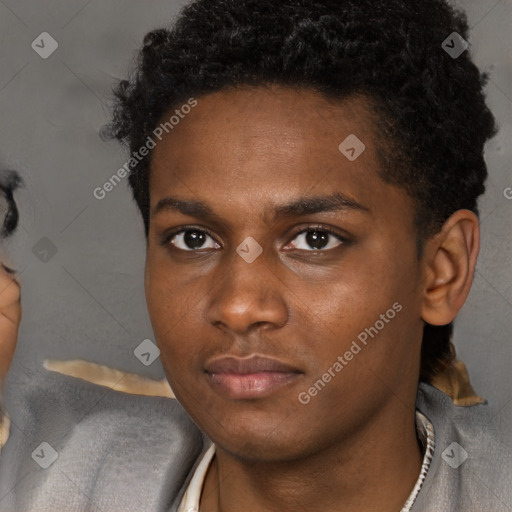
[
  {"x": 314, "y": 239},
  {"x": 192, "y": 239}
]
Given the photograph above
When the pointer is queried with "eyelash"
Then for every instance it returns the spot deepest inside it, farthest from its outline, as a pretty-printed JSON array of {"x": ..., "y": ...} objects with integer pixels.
[{"x": 167, "y": 237}]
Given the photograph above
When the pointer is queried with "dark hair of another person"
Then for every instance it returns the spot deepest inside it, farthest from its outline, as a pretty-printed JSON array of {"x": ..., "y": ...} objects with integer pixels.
[
  {"x": 9, "y": 182},
  {"x": 429, "y": 108}
]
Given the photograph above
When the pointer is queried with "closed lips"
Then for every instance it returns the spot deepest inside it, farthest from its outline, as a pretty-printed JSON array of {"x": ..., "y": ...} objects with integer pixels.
[{"x": 249, "y": 365}]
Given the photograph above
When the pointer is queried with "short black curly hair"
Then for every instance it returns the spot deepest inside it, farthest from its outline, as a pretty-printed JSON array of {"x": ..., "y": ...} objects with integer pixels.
[{"x": 430, "y": 106}]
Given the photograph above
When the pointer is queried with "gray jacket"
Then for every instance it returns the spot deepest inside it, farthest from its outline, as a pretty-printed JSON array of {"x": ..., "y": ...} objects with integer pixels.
[{"x": 79, "y": 447}]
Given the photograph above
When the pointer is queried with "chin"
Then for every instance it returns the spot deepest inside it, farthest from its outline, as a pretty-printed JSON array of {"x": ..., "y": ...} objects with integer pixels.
[{"x": 254, "y": 441}]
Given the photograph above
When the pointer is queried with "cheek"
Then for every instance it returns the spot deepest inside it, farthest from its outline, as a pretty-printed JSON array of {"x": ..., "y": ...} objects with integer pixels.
[
  {"x": 166, "y": 305},
  {"x": 174, "y": 309},
  {"x": 359, "y": 304},
  {"x": 167, "y": 299}
]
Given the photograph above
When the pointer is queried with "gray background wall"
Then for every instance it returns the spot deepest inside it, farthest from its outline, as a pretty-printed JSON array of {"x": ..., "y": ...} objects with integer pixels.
[{"x": 86, "y": 300}]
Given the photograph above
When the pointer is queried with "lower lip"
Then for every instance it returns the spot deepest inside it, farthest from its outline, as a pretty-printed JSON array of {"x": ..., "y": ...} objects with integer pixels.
[{"x": 251, "y": 385}]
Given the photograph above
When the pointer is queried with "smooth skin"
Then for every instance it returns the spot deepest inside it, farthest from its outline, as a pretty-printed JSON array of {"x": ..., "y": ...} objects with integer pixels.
[{"x": 244, "y": 153}]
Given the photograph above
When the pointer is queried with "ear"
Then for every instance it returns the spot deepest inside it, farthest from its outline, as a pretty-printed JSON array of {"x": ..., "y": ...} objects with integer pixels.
[{"x": 450, "y": 259}]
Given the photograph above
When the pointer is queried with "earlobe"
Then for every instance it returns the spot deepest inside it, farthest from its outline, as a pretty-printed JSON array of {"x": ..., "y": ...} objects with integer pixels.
[{"x": 450, "y": 261}]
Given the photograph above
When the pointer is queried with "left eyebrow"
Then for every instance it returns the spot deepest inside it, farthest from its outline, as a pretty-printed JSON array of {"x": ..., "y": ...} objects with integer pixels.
[{"x": 309, "y": 205}]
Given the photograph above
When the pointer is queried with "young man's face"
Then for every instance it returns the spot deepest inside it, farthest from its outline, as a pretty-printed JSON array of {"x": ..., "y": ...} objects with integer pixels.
[{"x": 302, "y": 303}]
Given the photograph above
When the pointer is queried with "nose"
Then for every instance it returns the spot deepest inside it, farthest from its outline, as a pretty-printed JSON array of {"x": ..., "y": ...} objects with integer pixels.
[{"x": 248, "y": 295}]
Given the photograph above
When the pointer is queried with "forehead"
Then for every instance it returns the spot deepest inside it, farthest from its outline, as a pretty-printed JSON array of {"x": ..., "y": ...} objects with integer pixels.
[
  {"x": 288, "y": 114},
  {"x": 267, "y": 145}
]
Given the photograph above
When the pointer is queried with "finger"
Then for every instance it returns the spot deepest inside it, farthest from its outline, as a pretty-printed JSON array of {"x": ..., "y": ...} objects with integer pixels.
[
  {"x": 10, "y": 317},
  {"x": 9, "y": 336},
  {"x": 9, "y": 291}
]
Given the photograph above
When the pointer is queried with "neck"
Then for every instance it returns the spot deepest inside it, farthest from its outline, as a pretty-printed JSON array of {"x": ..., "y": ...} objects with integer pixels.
[{"x": 375, "y": 470}]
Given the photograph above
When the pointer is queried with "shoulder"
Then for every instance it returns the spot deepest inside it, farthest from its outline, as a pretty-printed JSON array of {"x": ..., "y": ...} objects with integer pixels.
[
  {"x": 472, "y": 465},
  {"x": 74, "y": 444}
]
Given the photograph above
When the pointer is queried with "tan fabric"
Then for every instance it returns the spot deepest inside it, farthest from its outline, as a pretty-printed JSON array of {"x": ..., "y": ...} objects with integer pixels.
[
  {"x": 4, "y": 429},
  {"x": 454, "y": 381},
  {"x": 111, "y": 378}
]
